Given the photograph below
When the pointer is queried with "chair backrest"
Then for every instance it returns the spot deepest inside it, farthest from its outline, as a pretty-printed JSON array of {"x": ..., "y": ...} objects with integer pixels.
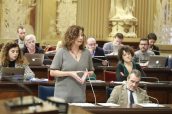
[
  {"x": 109, "y": 76},
  {"x": 45, "y": 91}
]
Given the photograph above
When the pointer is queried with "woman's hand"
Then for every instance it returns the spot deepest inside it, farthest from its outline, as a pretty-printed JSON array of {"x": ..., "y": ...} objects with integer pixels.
[{"x": 76, "y": 77}]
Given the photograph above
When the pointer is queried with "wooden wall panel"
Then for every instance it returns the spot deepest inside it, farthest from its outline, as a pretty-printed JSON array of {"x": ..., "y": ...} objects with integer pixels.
[{"x": 93, "y": 16}]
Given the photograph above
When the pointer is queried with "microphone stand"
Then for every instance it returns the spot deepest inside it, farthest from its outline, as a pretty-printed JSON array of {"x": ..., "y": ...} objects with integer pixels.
[
  {"x": 95, "y": 100},
  {"x": 151, "y": 98}
]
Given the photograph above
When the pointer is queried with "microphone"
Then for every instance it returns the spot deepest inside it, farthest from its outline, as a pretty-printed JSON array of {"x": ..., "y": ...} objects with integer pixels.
[
  {"x": 101, "y": 59},
  {"x": 151, "y": 98},
  {"x": 154, "y": 78},
  {"x": 98, "y": 59},
  {"x": 95, "y": 100}
]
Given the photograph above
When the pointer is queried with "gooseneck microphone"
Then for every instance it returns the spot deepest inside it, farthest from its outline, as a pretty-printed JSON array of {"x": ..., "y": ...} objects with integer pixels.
[
  {"x": 95, "y": 100},
  {"x": 151, "y": 98}
]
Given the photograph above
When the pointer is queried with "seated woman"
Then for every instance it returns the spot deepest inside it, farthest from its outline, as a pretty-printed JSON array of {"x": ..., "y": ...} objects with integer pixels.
[
  {"x": 11, "y": 56},
  {"x": 126, "y": 65},
  {"x": 30, "y": 47}
]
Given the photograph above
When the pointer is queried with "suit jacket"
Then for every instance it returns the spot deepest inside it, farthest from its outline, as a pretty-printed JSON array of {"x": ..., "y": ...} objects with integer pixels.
[
  {"x": 119, "y": 95},
  {"x": 108, "y": 47},
  {"x": 99, "y": 52}
]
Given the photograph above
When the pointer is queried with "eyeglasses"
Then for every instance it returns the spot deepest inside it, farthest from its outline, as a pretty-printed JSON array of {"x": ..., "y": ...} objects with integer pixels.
[
  {"x": 93, "y": 44},
  {"x": 143, "y": 44}
]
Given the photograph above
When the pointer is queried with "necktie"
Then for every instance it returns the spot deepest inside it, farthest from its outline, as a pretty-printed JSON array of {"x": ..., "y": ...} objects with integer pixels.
[{"x": 131, "y": 97}]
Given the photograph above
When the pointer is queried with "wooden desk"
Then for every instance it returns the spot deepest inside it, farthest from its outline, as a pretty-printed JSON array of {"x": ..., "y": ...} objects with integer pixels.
[
  {"x": 163, "y": 74},
  {"x": 113, "y": 60},
  {"x": 160, "y": 91},
  {"x": 134, "y": 109},
  {"x": 40, "y": 71},
  {"x": 99, "y": 71},
  {"x": 11, "y": 90},
  {"x": 46, "y": 108}
]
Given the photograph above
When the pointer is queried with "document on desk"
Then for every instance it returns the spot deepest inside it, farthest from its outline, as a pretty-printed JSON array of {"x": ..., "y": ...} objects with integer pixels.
[
  {"x": 96, "y": 81},
  {"x": 39, "y": 80},
  {"x": 108, "y": 104},
  {"x": 83, "y": 104},
  {"x": 154, "y": 105}
]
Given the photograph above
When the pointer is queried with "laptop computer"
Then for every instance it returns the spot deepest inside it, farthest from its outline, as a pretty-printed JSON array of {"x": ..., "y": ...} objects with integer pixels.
[
  {"x": 97, "y": 60},
  {"x": 35, "y": 59},
  {"x": 157, "y": 61},
  {"x": 12, "y": 74}
]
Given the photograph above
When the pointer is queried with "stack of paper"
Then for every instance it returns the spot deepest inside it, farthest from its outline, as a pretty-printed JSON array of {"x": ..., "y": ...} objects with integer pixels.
[
  {"x": 108, "y": 104},
  {"x": 150, "y": 105},
  {"x": 82, "y": 104}
]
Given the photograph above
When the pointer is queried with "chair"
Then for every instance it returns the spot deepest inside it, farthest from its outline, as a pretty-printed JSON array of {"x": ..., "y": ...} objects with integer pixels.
[
  {"x": 109, "y": 76},
  {"x": 45, "y": 91}
]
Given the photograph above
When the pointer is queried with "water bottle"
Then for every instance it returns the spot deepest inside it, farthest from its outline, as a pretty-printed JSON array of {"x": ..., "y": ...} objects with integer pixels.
[{"x": 169, "y": 61}]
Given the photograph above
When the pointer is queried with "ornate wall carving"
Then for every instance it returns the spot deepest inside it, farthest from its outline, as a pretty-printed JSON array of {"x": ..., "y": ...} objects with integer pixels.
[
  {"x": 66, "y": 15},
  {"x": 163, "y": 21},
  {"x": 15, "y": 13}
]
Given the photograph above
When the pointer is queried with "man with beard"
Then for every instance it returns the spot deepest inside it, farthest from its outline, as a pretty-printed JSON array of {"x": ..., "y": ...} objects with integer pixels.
[
  {"x": 142, "y": 55},
  {"x": 21, "y": 31}
]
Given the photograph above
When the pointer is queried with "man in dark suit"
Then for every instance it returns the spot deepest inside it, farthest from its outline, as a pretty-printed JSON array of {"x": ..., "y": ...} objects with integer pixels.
[
  {"x": 94, "y": 49},
  {"x": 152, "y": 39}
]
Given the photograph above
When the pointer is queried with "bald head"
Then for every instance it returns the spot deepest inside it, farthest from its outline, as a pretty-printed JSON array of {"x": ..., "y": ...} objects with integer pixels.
[
  {"x": 91, "y": 43},
  {"x": 91, "y": 40}
]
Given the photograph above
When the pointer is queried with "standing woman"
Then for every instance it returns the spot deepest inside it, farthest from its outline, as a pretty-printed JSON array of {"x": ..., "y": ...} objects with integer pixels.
[
  {"x": 11, "y": 56},
  {"x": 126, "y": 65},
  {"x": 71, "y": 65}
]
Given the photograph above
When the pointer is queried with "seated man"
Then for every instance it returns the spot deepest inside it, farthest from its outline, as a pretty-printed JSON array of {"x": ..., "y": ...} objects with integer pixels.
[
  {"x": 152, "y": 39},
  {"x": 142, "y": 55},
  {"x": 129, "y": 93},
  {"x": 95, "y": 50},
  {"x": 110, "y": 47}
]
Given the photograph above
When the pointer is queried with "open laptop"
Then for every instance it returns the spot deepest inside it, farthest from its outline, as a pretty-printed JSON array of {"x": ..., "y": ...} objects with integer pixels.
[
  {"x": 97, "y": 60},
  {"x": 12, "y": 74},
  {"x": 157, "y": 61},
  {"x": 35, "y": 59}
]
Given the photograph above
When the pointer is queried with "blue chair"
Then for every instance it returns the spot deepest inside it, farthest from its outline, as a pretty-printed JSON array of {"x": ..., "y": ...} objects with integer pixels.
[{"x": 45, "y": 91}]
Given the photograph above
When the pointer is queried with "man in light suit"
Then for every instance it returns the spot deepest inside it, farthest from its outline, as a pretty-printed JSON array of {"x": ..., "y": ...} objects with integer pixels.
[{"x": 122, "y": 94}]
